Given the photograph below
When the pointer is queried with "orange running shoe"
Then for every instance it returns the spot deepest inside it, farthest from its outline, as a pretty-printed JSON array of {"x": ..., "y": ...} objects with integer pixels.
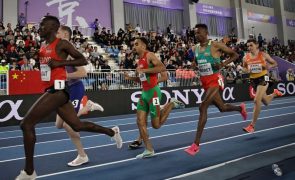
[
  {"x": 249, "y": 128},
  {"x": 193, "y": 149},
  {"x": 277, "y": 92},
  {"x": 244, "y": 111}
]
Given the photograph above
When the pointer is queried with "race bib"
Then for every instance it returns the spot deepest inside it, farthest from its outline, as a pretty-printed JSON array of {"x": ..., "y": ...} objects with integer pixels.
[
  {"x": 75, "y": 103},
  {"x": 255, "y": 68},
  {"x": 220, "y": 82},
  {"x": 205, "y": 69},
  {"x": 142, "y": 77},
  {"x": 59, "y": 84},
  {"x": 45, "y": 72},
  {"x": 156, "y": 101}
]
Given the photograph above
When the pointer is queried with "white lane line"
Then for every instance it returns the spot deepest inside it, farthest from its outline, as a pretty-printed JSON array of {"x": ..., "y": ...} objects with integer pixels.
[
  {"x": 227, "y": 162},
  {"x": 161, "y": 153},
  {"x": 154, "y": 137},
  {"x": 168, "y": 125},
  {"x": 284, "y": 101},
  {"x": 213, "y": 112}
]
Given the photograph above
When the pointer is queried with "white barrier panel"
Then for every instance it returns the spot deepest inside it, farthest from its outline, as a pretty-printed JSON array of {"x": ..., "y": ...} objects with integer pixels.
[
  {"x": 3, "y": 83},
  {"x": 115, "y": 80}
]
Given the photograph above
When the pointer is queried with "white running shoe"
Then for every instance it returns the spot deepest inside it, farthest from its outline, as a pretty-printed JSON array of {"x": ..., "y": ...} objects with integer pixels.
[
  {"x": 92, "y": 106},
  {"x": 79, "y": 161},
  {"x": 24, "y": 176},
  {"x": 146, "y": 154},
  {"x": 117, "y": 137},
  {"x": 177, "y": 104}
]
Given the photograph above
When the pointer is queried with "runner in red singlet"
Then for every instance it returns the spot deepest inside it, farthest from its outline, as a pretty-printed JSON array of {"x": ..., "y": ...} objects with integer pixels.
[{"x": 53, "y": 57}]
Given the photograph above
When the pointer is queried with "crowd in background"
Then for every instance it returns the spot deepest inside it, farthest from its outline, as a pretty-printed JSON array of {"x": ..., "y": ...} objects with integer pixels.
[{"x": 19, "y": 47}]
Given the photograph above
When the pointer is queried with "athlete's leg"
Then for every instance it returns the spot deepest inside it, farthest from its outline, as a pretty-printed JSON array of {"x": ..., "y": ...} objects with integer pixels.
[
  {"x": 266, "y": 99},
  {"x": 224, "y": 107},
  {"x": 75, "y": 137},
  {"x": 68, "y": 114},
  {"x": 158, "y": 115},
  {"x": 59, "y": 123},
  {"x": 209, "y": 97},
  {"x": 46, "y": 104},
  {"x": 158, "y": 121},
  {"x": 260, "y": 93},
  {"x": 142, "y": 126}
]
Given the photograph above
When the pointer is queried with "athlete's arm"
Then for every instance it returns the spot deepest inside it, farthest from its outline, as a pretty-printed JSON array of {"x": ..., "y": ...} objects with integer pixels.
[
  {"x": 245, "y": 65},
  {"x": 127, "y": 77},
  {"x": 194, "y": 65},
  {"x": 81, "y": 72},
  {"x": 270, "y": 60},
  {"x": 158, "y": 65},
  {"x": 65, "y": 48},
  {"x": 233, "y": 55},
  {"x": 163, "y": 77}
]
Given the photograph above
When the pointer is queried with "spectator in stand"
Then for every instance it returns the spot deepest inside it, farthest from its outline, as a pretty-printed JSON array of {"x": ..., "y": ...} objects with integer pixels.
[
  {"x": 290, "y": 76},
  {"x": 14, "y": 66},
  {"x": 129, "y": 61},
  {"x": 96, "y": 24},
  {"x": 2, "y": 30},
  {"x": 86, "y": 53},
  {"x": 106, "y": 67},
  {"x": 4, "y": 67},
  {"x": 22, "y": 21},
  {"x": 231, "y": 75},
  {"x": 26, "y": 66},
  {"x": 76, "y": 32},
  {"x": 137, "y": 28},
  {"x": 10, "y": 36},
  {"x": 95, "y": 52},
  {"x": 260, "y": 40},
  {"x": 13, "y": 53},
  {"x": 170, "y": 66}
]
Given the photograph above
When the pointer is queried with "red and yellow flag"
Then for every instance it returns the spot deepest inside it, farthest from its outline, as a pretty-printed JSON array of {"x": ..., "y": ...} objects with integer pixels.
[{"x": 25, "y": 82}]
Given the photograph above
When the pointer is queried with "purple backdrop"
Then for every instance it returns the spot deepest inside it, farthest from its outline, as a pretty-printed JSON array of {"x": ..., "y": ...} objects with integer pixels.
[
  {"x": 170, "y": 4},
  {"x": 290, "y": 22},
  {"x": 261, "y": 18},
  {"x": 283, "y": 66},
  {"x": 75, "y": 12},
  {"x": 214, "y": 10}
]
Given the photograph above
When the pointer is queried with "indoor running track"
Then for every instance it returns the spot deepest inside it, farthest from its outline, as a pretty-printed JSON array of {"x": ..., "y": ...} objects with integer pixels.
[{"x": 223, "y": 140}]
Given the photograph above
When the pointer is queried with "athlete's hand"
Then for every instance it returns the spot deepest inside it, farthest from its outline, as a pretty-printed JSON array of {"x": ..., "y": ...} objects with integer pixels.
[
  {"x": 126, "y": 75},
  {"x": 140, "y": 71},
  {"x": 53, "y": 63}
]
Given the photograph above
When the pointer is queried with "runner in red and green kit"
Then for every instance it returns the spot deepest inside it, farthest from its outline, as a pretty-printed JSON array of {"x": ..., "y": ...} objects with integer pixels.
[
  {"x": 147, "y": 71},
  {"x": 207, "y": 58}
]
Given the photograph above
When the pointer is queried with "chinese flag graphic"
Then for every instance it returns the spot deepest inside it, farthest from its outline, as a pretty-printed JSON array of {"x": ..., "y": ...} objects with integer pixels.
[{"x": 25, "y": 82}]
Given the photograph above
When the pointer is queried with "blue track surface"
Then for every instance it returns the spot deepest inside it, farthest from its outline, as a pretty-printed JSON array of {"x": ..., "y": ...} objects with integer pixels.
[{"x": 223, "y": 140}]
